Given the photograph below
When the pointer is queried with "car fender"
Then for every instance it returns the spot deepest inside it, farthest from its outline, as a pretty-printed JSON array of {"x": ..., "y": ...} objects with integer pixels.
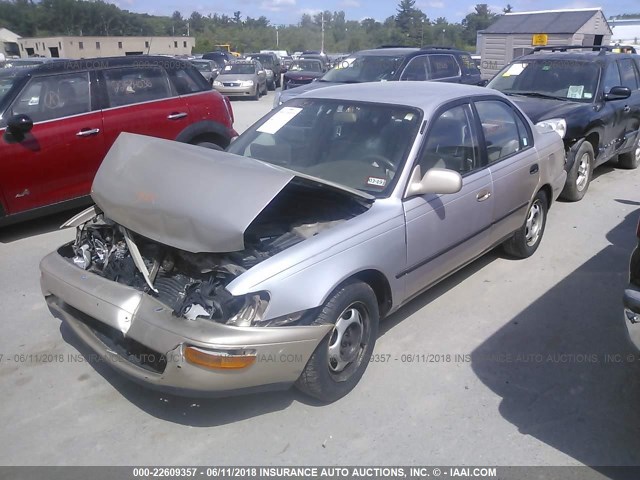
[
  {"x": 204, "y": 127},
  {"x": 304, "y": 276}
]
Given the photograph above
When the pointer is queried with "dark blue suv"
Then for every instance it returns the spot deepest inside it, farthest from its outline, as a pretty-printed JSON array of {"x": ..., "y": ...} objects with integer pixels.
[{"x": 441, "y": 64}]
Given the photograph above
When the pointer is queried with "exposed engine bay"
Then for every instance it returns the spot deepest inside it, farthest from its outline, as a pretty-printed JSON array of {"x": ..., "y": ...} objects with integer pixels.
[{"x": 193, "y": 285}]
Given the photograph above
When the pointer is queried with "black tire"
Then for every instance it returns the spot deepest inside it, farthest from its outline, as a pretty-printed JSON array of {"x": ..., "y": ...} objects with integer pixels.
[
  {"x": 323, "y": 376},
  {"x": 527, "y": 239},
  {"x": 271, "y": 85},
  {"x": 265, "y": 90},
  {"x": 630, "y": 160},
  {"x": 211, "y": 145},
  {"x": 579, "y": 177},
  {"x": 256, "y": 96}
]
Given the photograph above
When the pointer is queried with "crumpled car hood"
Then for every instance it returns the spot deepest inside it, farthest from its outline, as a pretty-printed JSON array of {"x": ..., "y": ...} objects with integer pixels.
[{"x": 188, "y": 197}]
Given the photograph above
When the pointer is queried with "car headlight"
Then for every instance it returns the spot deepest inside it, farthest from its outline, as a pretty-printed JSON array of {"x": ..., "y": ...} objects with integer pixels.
[
  {"x": 252, "y": 311},
  {"x": 246, "y": 83},
  {"x": 217, "y": 83},
  {"x": 558, "y": 125}
]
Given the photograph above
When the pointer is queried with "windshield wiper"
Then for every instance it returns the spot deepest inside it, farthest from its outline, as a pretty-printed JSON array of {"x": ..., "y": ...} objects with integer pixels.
[{"x": 537, "y": 95}]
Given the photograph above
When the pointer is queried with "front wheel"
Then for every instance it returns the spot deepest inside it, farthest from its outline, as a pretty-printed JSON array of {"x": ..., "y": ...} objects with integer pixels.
[
  {"x": 211, "y": 145},
  {"x": 579, "y": 177},
  {"x": 338, "y": 363},
  {"x": 630, "y": 160},
  {"x": 527, "y": 239}
]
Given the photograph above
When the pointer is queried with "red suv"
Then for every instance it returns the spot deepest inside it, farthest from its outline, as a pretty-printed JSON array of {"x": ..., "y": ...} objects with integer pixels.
[{"x": 59, "y": 119}]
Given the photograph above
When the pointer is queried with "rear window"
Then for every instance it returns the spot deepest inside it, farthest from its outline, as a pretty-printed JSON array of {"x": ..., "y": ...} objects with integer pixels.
[{"x": 134, "y": 85}]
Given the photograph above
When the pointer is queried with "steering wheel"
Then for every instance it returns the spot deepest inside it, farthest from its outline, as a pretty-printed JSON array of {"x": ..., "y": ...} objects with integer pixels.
[{"x": 378, "y": 159}]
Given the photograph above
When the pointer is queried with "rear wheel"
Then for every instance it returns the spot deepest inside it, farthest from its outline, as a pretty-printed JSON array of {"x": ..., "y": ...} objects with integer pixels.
[
  {"x": 526, "y": 240},
  {"x": 630, "y": 160},
  {"x": 579, "y": 177},
  {"x": 271, "y": 85},
  {"x": 340, "y": 360}
]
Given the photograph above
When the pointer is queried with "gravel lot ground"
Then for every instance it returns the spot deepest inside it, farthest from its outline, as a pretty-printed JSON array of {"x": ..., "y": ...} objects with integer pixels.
[{"x": 519, "y": 363}]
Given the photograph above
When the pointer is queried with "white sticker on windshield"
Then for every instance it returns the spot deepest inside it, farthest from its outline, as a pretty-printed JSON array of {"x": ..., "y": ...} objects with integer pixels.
[
  {"x": 376, "y": 181},
  {"x": 575, "y": 91},
  {"x": 515, "y": 69},
  {"x": 279, "y": 120}
]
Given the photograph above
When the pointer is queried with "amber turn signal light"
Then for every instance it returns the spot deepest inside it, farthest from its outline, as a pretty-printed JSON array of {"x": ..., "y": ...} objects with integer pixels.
[{"x": 219, "y": 360}]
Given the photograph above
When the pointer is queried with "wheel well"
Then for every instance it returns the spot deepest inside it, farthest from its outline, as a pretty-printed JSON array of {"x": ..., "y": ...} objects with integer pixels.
[
  {"x": 548, "y": 191},
  {"x": 210, "y": 137},
  {"x": 594, "y": 139},
  {"x": 380, "y": 285}
]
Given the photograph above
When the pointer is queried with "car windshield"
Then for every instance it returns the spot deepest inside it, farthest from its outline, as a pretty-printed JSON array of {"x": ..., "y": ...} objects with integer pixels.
[
  {"x": 7, "y": 79},
  {"x": 306, "y": 66},
  {"x": 358, "y": 145},
  {"x": 266, "y": 60},
  {"x": 239, "y": 69},
  {"x": 364, "y": 68},
  {"x": 574, "y": 80}
]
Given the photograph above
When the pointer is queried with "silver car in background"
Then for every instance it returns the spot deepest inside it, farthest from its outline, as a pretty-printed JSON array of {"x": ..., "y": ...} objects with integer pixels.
[
  {"x": 208, "y": 68},
  {"x": 206, "y": 272},
  {"x": 242, "y": 79}
]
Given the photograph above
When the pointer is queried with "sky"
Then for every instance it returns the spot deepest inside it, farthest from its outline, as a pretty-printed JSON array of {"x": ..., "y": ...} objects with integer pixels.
[{"x": 284, "y": 12}]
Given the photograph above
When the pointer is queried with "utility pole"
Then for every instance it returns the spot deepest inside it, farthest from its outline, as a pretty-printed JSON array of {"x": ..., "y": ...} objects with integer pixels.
[
  {"x": 422, "y": 34},
  {"x": 322, "y": 43},
  {"x": 277, "y": 38},
  {"x": 188, "y": 30}
]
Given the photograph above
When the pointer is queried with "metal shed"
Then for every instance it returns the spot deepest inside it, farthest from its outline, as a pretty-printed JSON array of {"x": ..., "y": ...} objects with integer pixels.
[{"x": 516, "y": 34}]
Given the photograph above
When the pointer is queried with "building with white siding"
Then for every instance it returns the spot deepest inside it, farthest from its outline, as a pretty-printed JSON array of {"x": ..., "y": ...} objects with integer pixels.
[{"x": 516, "y": 34}]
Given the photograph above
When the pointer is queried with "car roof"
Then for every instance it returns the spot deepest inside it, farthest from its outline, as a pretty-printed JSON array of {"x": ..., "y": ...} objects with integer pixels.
[
  {"x": 63, "y": 66},
  {"x": 424, "y": 95}
]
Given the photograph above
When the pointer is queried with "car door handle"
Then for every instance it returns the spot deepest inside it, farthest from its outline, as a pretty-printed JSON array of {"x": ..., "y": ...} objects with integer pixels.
[
  {"x": 626, "y": 109},
  {"x": 177, "y": 115},
  {"x": 534, "y": 169},
  {"x": 482, "y": 196},
  {"x": 87, "y": 132}
]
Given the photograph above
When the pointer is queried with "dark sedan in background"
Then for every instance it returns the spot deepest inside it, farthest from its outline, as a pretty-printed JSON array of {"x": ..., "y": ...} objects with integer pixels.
[{"x": 302, "y": 72}]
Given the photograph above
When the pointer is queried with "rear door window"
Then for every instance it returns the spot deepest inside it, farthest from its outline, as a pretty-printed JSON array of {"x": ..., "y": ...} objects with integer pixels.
[
  {"x": 126, "y": 86},
  {"x": 443, "y": 66}
]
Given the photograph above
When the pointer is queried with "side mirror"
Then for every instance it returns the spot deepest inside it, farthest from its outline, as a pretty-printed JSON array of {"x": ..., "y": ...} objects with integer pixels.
[
  {"x": 19, "y": 124},
  {"x": 618, "y": 93},
  {"x": 436, "y": 180},
  {"x": 260, "y": 72},
  {"x": 483, "y": 83}
]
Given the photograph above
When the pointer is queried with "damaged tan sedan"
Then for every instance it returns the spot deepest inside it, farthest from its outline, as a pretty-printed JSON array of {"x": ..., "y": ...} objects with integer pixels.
[{"x": 207, "y": 273}]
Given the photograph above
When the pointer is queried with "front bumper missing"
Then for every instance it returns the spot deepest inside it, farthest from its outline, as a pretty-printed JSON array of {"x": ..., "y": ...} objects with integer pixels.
[{"x": 113, "y": 319}]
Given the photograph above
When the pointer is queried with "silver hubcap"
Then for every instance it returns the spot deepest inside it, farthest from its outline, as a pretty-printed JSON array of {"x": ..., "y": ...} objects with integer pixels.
[
  {"x": 534, "y": 223},
  {"x": 583, "y": 172},
  {"x": 346, "y": 338}
]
